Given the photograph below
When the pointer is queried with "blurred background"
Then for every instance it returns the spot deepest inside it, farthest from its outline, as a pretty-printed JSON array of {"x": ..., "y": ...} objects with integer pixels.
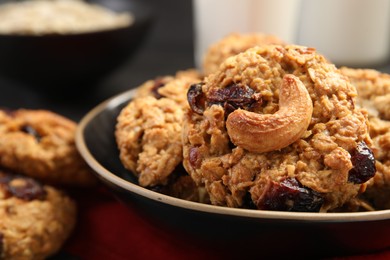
[
  {"x": 182, "y": 29},
  {"x": 166, "y": 48}
]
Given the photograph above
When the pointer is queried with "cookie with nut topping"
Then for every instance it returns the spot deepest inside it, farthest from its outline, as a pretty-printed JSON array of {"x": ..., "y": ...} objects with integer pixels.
[
  {"x": 35, "y": 219},
  {"x": 148, "y": 130},
  {"x": 374, "y": 95},
  {"x": 276, "y": 128},
  {"x": 40, "y": 144}
]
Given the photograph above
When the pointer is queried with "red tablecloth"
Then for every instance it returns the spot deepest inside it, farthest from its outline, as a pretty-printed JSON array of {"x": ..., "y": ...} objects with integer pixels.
[{"x": 107, "y": 229}]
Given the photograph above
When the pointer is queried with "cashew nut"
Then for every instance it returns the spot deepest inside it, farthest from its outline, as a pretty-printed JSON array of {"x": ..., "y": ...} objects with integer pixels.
[{"x": 269, "y": 132}]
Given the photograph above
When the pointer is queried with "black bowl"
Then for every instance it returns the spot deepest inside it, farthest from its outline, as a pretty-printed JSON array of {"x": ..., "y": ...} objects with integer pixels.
[
  {"x": 235, "y": 232},
  {"x": 73, "y": 63}
]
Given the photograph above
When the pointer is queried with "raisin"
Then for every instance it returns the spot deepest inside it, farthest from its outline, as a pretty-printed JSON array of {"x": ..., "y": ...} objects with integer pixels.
[
  {"x": 31, "y": 131},
  {"x": 194, "y": 157},
  {"x": 231, "y": 97},
  {"x": 196, "y": 98},
  {"x": 21, "y": 187},
  {"x": 26, "y": 189},
  {"x": 234, "y": 96},
  {"x": 158, "y": 83},
  {"x": 363, "y": 162},
  {"x": 290, "y": 195}
]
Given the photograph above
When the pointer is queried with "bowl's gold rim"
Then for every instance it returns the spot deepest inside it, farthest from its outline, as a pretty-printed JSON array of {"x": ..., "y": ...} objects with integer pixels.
[{"x": 248, "y": 213}]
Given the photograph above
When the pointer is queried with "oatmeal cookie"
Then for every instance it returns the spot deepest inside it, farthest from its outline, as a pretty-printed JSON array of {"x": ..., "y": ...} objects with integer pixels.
[
  {"x": 148, "y": 132},
  {"x": 276, "y": 128},
  {"x": 148, "y": 137},
  {"x": 374, "y": 94},
  {"x": 40, "y": 144},
  {"x": 233, "y": 44},
  {"x": 35, "y": 219}
]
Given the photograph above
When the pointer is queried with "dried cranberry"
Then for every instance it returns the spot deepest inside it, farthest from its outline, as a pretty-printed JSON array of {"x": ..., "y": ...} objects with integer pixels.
[
  {"x": 31, "y": 131},
  {"x": 231, "y": 97},
  {"x": 290, "y": 195},
  {"x": 194, "y": 157},
  {"x": 21, "y": 187},
  {"x": 234, "y": 96},
  {"x": 158, "y": 83},
  {"x": 363, "y": 162},
  {"x": 196, "y": 98},
  {"x": 29, "y": 190}
]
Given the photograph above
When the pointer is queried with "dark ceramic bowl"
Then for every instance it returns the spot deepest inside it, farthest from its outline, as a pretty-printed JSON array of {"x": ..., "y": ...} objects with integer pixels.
[
  {"x": 72, "y": 63},
  {"x": 236, "y": 232}
]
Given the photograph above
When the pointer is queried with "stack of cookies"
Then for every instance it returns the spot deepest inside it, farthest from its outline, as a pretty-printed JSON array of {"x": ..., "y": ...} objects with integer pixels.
[
  {"x": 38, "y": 158},
  {"x": 265, "y": 125}
]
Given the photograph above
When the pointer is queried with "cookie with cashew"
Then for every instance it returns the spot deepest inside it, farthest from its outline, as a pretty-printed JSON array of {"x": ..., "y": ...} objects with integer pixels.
[
  {"x": 40, "y": 144},
  {"x": 276, "y": 128},
  {"x": 374, "y": 95},
  {"x": 231, "y": 45},
  {"x": 148, "y": 130}
]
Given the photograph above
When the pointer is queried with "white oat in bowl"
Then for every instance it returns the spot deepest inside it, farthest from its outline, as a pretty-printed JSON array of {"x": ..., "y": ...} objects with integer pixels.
[{"x": 39, "y": 17}]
